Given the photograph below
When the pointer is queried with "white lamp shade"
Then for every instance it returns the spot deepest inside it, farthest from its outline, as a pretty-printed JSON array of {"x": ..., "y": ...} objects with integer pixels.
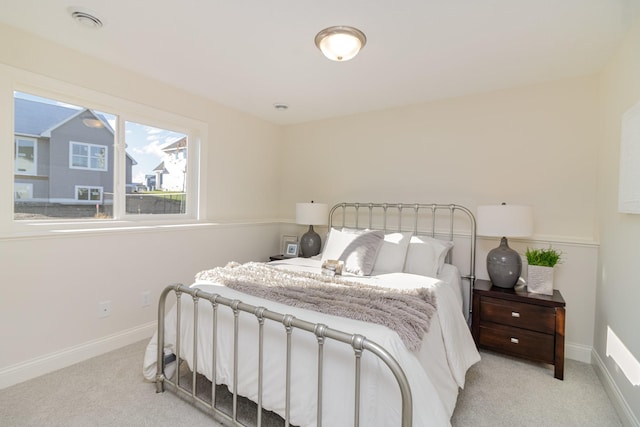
[
  {"x": 505, "y": 221},
  {"x": 312, "y": 213}
]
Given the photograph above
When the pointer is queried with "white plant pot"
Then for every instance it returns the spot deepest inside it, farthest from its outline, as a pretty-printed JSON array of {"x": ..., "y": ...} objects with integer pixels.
[{"x": 540, "y": 280}]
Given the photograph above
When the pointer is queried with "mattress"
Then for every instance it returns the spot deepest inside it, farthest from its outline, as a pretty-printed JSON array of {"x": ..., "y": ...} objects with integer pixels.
[{"x": 436, "y": 372}]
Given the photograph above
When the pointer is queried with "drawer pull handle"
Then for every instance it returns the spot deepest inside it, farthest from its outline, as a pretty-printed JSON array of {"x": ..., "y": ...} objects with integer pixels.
[
  {"x": 515, "y": 340},
  {"x": 515, "y": 314}
]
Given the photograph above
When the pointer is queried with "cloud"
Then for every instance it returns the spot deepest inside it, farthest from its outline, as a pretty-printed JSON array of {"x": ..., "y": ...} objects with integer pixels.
[
  {"x": 151, "y": 130},
  {"x": 153, "y": 148},
  {"x": 140, "y": 177}
]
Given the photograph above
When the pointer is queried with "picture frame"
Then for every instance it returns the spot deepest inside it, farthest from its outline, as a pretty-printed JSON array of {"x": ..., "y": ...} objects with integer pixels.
[
  {"x": 285, "y": 240},
  {"x": 291, "y": 250}
]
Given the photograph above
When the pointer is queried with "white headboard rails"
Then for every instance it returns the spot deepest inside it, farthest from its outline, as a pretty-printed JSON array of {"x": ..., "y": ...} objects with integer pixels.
[{"x": 443, "y": 221}]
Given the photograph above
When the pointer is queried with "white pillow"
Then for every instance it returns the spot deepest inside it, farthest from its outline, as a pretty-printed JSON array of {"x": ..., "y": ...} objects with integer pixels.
[
  {"x": 392, "y": 253},
  {"x": 358, "y": 251},
  {"x": 426, "y": 255}
]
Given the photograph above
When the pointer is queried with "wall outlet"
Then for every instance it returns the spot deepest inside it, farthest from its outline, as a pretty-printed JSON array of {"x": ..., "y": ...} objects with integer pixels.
[
  {"x": 104, "y": 309},
  {"x": 145, "y": 298}
]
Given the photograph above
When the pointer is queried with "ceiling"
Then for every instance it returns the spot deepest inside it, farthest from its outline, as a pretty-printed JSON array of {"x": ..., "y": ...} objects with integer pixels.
[{"x": 252, "y": 54}]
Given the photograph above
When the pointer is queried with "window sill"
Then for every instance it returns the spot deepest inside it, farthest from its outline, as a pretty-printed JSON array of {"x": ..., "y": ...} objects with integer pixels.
[{"x": 89, "y": 228}]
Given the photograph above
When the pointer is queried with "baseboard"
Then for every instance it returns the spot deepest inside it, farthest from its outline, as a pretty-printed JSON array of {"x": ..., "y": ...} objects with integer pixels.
[
  {"x": 622, "y": 407},
  {"x": 61, "y": 359},
  {"x": 579, "y": 352}
]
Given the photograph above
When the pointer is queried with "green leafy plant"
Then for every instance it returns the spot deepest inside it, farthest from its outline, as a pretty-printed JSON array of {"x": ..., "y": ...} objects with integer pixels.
[{"x": 543, "y": 257}]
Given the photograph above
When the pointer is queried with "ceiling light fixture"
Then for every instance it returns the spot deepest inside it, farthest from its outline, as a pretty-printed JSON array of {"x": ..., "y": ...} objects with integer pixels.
[
  {"x": 85, "y": 17},
  {"x": 281, "y": 107},
  {"x": 340, "y": 43}
]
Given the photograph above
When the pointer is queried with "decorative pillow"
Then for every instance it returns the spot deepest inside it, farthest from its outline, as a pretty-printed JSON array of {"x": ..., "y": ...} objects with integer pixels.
[
  {"x": 426, "y": 255},
  {"x": 392, "y": 253},
  {"x": 358, "y": 251}
]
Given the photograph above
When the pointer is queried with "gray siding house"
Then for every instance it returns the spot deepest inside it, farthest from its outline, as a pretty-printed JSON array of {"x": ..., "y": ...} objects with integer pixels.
[{"x": 63, "y": 155}]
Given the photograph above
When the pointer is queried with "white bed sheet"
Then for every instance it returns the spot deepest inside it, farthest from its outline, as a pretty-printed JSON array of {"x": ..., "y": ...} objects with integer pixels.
[{"x": 435, "y": 372}]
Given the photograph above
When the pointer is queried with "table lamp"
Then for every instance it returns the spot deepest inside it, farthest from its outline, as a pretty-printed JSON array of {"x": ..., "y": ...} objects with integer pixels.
[
  {"x": 311, "y": 214},
  {"x": 504, "y": 265}
]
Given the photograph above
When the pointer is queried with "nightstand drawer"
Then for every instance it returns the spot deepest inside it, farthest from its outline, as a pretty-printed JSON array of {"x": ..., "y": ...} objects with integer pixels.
[
  {"x": 519, "y": 315},
  {"x": 518, "y": 342}
]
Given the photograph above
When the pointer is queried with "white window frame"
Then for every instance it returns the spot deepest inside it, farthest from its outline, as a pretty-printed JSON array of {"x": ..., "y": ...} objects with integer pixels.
[
  {"x": 89, "y": 188},
  {"x": 14, "y": 79},
  {"x": 34, "y": 141},
  {"x": 89, "y": 157}
]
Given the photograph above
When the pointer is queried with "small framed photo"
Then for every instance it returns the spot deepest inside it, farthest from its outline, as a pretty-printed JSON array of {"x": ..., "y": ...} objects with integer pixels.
[
  {"x": 285, "y": 240},
  {"x": 291, "y": 250}
]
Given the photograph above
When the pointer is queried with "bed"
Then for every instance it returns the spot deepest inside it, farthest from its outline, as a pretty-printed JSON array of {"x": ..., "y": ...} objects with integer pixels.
[{"x": 314, "y": 362}]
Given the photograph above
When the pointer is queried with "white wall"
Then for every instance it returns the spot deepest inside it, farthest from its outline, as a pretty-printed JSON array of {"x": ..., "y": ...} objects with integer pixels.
[
  {"x": 51, "y": 285},
  {"x": 535, "y": 145},
  {"x": 618, "y": 291}
]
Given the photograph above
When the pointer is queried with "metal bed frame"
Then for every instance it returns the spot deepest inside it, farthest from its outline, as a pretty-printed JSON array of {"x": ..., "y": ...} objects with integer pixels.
[
  {"x": 424, "y": 219},
  {"x": 322, "y": 332}
]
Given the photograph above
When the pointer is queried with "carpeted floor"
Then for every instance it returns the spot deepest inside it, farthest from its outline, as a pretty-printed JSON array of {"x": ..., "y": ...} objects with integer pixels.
[{"x": 109, "y": 391}]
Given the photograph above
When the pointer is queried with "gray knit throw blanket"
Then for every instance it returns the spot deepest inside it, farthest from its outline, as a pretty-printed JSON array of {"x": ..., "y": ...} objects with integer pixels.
[{"x": 407, "y": 312}]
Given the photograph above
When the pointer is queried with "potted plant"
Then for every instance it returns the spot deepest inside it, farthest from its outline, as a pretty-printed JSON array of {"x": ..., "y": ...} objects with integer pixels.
[{"x": 540, "y": 270}]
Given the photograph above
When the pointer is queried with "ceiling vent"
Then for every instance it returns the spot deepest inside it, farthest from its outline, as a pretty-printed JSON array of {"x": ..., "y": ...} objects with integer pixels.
[{"x": 85, "y": 18}]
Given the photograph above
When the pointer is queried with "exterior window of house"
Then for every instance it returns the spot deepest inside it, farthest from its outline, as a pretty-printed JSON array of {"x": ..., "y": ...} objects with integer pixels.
[
  {"x": 88, "y": 156},
  {"x": 26, "y": 156},
  {"x": 88, "y": 194},
  {"x": 23, "y": 191},
  {"x": 74, "y": 161}
]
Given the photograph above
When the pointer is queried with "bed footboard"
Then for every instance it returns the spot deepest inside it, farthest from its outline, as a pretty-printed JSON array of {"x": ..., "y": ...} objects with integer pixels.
[{"x": 322, "y": 332}]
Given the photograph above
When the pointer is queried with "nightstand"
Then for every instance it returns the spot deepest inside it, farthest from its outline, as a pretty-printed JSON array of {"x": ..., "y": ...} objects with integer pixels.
[
  {"x": 519, "y": 323},
  {"x": 277, "y": 257}
]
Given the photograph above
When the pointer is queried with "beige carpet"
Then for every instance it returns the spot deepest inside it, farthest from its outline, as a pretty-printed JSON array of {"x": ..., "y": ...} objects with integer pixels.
[{"x": 109, "y": 391}]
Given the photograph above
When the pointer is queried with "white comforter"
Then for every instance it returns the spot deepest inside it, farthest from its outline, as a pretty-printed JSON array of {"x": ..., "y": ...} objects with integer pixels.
[{"x": 435, "y": 373}]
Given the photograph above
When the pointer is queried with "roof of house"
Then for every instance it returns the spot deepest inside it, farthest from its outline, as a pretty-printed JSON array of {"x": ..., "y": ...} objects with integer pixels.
[
  {"x": 179, "y": 144},
  {"x": 160, "y": 168},
  {"x": 34, "y": 118},
  {"x": 38, "y": 118}
]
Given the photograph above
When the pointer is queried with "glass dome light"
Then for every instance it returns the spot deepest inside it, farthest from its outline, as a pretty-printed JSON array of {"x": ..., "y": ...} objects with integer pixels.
[{"x": 340, "y": 43}]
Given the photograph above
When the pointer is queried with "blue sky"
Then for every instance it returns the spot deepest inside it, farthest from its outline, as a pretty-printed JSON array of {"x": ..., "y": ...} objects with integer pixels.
[{"x": 144, "y": 144}]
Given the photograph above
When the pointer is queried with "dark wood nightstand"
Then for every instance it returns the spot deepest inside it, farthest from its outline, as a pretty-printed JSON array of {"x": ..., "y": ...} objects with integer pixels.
[
  {"x": 519, "y": 323},
  {"x": 277, "y": 257}
]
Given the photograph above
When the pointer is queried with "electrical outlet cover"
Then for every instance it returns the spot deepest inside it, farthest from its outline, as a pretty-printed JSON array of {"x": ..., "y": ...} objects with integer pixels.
[{"x": 104, "y": 309}]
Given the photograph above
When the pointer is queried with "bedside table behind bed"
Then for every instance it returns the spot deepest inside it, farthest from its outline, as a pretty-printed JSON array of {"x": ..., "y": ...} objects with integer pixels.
[{"x": 519, "y": 323}]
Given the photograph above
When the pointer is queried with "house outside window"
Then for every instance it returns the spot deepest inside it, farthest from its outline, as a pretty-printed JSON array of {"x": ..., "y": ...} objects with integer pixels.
[{"x": 71, "y": 162}]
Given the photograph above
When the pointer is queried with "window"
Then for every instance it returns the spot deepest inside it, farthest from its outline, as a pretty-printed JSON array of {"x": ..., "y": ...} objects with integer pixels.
[
  {"x": 25, "y": 159},
  {"x": 88, "y": 156},
  {"x": 22, "y": 191},
  {"x": 88, "y": 194},
  {"x": 118, "y": 161},
  {"x": 159, "y": 170}
]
